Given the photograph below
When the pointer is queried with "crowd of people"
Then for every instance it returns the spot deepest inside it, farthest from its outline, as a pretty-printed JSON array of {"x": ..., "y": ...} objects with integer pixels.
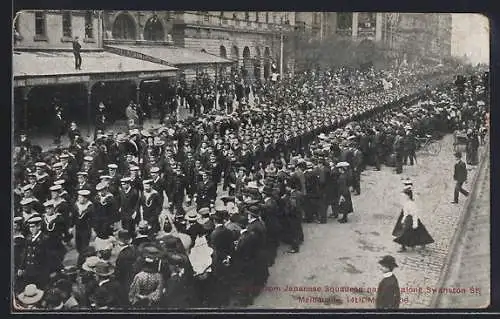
[{"x": 134, "y": 204}]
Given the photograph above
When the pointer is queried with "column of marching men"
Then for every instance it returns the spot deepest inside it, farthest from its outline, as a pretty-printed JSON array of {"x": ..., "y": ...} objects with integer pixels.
[{"x": 133, "y": 205}]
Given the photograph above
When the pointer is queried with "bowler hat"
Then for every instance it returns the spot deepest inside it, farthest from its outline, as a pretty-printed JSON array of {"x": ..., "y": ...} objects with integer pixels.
[{"x": 388, "y": 261}]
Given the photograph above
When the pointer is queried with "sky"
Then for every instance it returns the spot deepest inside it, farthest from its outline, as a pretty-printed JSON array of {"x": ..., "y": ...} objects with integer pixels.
[{"x": 470, "y": 36}]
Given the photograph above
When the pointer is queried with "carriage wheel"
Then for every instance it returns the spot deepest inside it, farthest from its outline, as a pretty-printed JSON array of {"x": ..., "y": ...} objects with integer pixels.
[{"x": 434, "y": 148}]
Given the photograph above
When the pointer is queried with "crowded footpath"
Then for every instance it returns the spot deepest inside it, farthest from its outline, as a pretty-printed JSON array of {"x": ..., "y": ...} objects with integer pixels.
[{"x": 242, "y": 177}]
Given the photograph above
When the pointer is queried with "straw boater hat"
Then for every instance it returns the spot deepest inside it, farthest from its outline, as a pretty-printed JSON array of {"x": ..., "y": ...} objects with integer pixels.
[
  {"x": 342, "y": 164},
  {"x": 90, "y": 263},
  {"x": 31, "y": 295},
  {"x": 192, "y": 216}
]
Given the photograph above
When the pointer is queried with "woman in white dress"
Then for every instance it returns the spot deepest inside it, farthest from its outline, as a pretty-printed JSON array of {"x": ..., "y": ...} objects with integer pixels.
[{"x": 409, "y": 230}]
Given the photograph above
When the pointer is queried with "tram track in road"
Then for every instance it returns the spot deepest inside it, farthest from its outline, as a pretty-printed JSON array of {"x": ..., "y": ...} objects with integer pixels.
[{"x": 468, "y": 263}]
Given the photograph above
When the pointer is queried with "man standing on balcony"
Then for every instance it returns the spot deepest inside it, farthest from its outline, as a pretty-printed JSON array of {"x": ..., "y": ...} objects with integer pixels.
[{"x": 76, "y": 51}]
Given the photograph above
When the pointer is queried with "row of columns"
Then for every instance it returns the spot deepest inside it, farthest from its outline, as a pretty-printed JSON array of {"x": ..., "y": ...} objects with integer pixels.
[{"x": 25, "y": 91}]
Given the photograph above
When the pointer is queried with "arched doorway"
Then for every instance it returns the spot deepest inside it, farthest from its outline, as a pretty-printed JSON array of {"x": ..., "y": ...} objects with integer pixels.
[
  {"x": 124, "y": 27},
  {"x": 257, "y": 66},
  {"x": 267, "y": 63},
  {"x": 222, "y": 52},
  {"x": 235, "y": 57},
  {"x": 153, "y": 30},
  {"x": 247, "y": 62}
]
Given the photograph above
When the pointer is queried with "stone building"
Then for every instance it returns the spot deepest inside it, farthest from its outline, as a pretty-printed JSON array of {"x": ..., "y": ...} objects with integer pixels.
[{"x": 45, "y": 75}]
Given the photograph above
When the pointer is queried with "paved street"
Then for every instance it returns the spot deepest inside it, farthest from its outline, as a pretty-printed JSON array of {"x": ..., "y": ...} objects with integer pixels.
[
  {"x": 346, "y": 255},
  {"x": 470, "y": 262}
]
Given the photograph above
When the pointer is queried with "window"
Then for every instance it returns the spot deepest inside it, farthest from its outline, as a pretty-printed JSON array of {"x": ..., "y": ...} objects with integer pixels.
[
  {"x": 66, "y": 24},
  {"x": 257, "y": 16},
  {"x": 206, "y": 16},
  {"x": 89, "y": 27},
  {"x": 267, "y": 17},
  {"x": 40, "y": 24},
  {"x": 247, "y": 15},
  {"x": 344, "y": 21}
]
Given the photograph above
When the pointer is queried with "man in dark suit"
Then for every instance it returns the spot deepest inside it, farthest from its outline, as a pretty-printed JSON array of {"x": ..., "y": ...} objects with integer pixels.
[
  {"x": 221, "y": 241},
  {"x": 112, "y": 287},
  {"x": 388, "y": 295},
  {"x": 76, "y": 51},
  {"x": 460, "y": 176},
  {"x": 126, "y": 260}
]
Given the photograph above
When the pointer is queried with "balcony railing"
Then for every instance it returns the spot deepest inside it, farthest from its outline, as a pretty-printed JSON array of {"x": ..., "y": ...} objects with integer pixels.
[
  {"x": 366, "y": 32},
  {"x": 217, "y": 20},
  {"x": 344, "y": 32}
]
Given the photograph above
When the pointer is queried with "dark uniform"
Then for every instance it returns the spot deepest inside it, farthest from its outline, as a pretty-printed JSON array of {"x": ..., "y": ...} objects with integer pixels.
[
  {"x": 151, "y": 205},
  {"x": 35, "y": 261},
  {"x": 82, "y": 220},
  {"x": 206, "y": 194},
  {"x": 105, "y": 215},
  {"x": 129, "y": 206},
  {"x": 54, "y": 228}
]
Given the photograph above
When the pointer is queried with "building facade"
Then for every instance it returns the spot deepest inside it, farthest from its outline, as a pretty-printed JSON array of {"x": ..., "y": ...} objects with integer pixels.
[
  {"x": 45, "y": 75},
  {"x": 252, "y": 39}
]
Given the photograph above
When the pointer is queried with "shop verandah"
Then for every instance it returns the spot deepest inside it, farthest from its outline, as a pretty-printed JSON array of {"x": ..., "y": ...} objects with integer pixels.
[{"x": 44, "y": 80}]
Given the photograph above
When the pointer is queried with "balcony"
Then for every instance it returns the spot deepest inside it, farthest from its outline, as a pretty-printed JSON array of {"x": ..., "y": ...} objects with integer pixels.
[
  {"x": 207, "y": 20},
  {"x": 366, "y": 32},
  {"x": 344, "y": 32}
]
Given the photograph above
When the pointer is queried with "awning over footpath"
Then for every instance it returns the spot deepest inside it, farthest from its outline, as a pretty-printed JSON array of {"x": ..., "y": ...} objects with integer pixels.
[
  {"x": 172, "y": 55},
  {"x": 58, "y": 67}
]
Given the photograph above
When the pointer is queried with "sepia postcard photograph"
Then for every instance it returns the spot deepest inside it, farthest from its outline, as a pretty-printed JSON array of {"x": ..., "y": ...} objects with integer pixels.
[{"x": 249, "y": 160}]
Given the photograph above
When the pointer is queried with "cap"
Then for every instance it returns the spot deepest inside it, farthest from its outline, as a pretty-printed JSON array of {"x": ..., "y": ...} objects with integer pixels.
[
  {"x": 88, "y": 158},
  {"x": 126, "y": 180},
  {"x": 134, "y": 168},
  {"x": 26, "y": 201},
  {"x": 64, "y": 155},
  {"x": 155, "y": 169},
  {"x": 113, "y": 166},
  {"x": 84, "y": 192},
  {"x": 57, "y": 165},
  {"x": 82, "y": 174},
  {"x": 56, "y": 188},
  {"x": 105, "y": 177},
  {"x": 48, "y": 203},
  {"x": 147, "y": 181},
  {"x": 34, "y": 220},
  {"x": 59, "y": 182},
  {"x": 40, "y": 164},
  {"x": 27, "y": 187},
  {"x": 100, "y": 186}
]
